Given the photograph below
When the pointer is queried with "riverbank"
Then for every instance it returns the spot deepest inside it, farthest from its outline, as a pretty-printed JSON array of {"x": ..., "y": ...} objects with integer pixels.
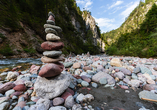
[{"x": 96, "y": 83}]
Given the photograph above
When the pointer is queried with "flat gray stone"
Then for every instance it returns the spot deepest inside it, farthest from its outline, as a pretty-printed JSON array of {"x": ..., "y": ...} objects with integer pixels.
[
  {"x": 84, "y": 83},
  {"x": 50, "y": 22},
  {"x": 147, "y": 95},
  {"x": 145, "y": 70},
  {"x": 52, "y": 53},
  {"x": 67, "y": 64},
  {"x": 50, "y": 30},
  {"x": 58, "y": 108},
  {"x": 53, "y": 27},
  {"x": 9, "y": 92}
]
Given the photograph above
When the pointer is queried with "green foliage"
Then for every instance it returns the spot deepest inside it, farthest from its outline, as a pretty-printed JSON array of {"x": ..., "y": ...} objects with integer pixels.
[
  {"x": 29, "y": 50},
  {"x": 148, "y": 1},
  {"x": 6, "y": 50},
  {"x": 140, "y": 42},
  {"x": 2, "y": 36},
  {"x": 34, "y": 14}
]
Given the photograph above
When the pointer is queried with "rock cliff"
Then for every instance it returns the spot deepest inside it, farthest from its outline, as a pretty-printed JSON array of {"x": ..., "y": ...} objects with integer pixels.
[{"x": 21, "y": 27}]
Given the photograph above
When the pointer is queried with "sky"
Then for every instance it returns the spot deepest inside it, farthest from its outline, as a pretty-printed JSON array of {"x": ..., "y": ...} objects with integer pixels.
[{"x": 109, "y": 14}]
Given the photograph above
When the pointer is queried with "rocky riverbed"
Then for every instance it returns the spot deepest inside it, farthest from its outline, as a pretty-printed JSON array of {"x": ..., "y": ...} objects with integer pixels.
[{"x": 87, "y": 83}]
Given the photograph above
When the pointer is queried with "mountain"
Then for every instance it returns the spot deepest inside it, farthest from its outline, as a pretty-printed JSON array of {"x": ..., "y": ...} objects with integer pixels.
[
  {"x": 134, "y": 36},
  {"x": 22, "y": 31}
]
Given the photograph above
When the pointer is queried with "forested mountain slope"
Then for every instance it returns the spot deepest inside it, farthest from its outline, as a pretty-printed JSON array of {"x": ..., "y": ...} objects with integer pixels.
[
  {"x": 137, "y": 35},
  {"x": 22, "y": 32}
]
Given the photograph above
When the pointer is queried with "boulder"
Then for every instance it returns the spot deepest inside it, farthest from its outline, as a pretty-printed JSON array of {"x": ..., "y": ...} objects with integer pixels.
[
  {"x": 120, "y": 75},
  {"x": 147, "y": 95},
  {"x": 76, "y": 65},
  {"x": 85, "y": 78},
  {"x": 137, "y": 70},
  {"x": 34, "y": 69},
  {"x": 81, "y": 98},
  {"x": 46, "y": 102},
  {"x": 145, "y": 70},
  {"x": 5, "y": 87},
  {"x": 58, "y": 101},
  {"x": 89, "y": 97},
  {"x": 19, "y": 81},
  {"x": 69, "y": 102},
  {"x": 12, "y": 75},
  {"x": 150, "y": 87},
  {"x": 67, "y": 64},
  {"x": 125, "y": 71},
  {"x": 20, "y": 87},
  {"x": 134, "y": 83},
  {"x": 52, "y": 45},
  {"x": 116, "y": 62},
  {"x": 87, "y": 68},
  {"x": 51, "y": 70},
  {"x": 100, "y": 75},
  {"x": 53, "y": 87},
  {"x": 84, "y": 83}
]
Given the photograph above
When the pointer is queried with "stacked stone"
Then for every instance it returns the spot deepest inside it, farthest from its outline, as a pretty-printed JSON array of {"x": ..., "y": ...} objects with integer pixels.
[
  {"x": 51, "y": 82},
  {"x": 52, "y": 55}
]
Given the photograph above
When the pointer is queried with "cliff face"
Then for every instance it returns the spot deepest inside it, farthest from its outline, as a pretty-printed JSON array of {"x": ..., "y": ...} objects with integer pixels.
[
  {"x": 91, "y": 25},
  {"x": 23, "y": 21}
]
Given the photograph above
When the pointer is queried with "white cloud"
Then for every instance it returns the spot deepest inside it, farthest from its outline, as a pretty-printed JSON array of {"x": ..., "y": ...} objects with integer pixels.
[
  {"x": 129, "y": 9},
  {"x": 106, "y": 24},
  {"x": 115, "y": 4},
  {"x": 85, "y": 3}
]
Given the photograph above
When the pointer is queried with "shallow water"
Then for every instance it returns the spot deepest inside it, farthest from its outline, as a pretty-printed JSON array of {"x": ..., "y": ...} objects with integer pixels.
[{"x": 10, "y": 63}]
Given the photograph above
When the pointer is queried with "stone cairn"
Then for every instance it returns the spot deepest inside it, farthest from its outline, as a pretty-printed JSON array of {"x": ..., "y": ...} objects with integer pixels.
[{"x": 51, "y": 82}]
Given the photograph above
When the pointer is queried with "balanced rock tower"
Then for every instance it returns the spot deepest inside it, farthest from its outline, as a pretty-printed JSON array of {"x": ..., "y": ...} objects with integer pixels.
[{"x": 51, "y": 82}]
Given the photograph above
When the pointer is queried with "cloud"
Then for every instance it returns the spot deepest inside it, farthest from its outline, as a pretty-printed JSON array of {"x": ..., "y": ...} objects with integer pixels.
[
  {"x": 106, "y": 24},
  {"x": 85, "y": 3},
  {"x": 115, "y": 4},
  {"x": 129, "y": 9}
]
